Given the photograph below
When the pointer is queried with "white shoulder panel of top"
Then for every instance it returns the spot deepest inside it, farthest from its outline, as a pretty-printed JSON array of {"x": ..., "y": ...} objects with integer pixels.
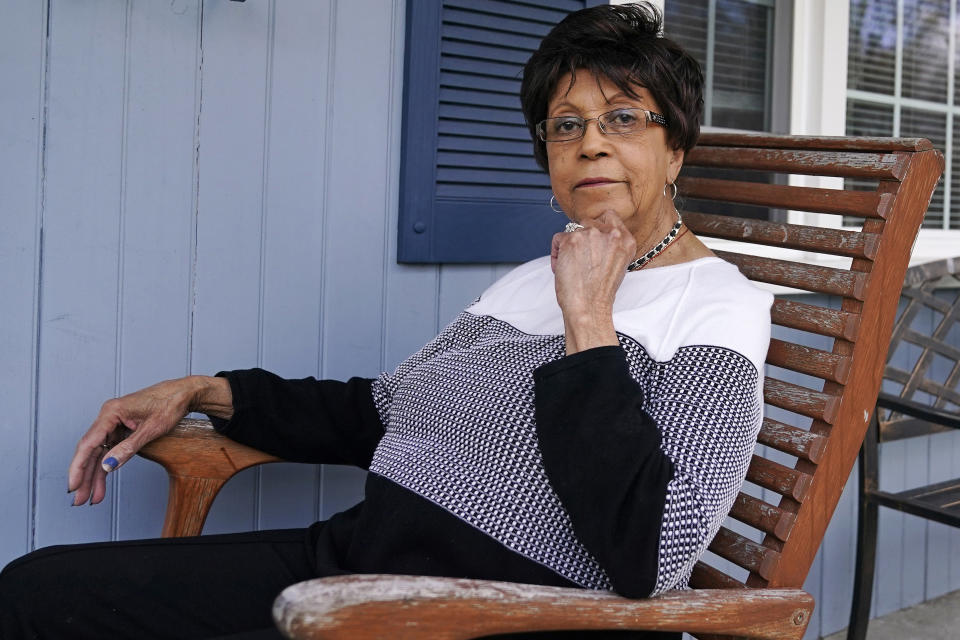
[{"x": 701, "y": 302}]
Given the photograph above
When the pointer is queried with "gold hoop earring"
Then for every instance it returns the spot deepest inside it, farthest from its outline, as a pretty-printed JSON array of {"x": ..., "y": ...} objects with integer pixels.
[{"x": 553, "y": 205}]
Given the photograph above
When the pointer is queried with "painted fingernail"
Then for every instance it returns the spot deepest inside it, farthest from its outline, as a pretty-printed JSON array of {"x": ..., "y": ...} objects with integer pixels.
[{"x": 109, "y": 464}]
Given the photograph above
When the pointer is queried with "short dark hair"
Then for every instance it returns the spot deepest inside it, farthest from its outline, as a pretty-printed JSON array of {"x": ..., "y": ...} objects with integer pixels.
[{"x": 624, "y": 44}]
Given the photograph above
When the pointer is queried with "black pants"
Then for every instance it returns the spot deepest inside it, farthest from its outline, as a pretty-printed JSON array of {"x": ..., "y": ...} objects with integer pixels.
[
  {"x": 219, "y": 586},
  {"x": 205, "y": 587}
]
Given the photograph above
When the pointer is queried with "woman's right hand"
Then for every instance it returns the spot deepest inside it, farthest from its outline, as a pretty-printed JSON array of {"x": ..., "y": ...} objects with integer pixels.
[{"x": 148, "y": 414}]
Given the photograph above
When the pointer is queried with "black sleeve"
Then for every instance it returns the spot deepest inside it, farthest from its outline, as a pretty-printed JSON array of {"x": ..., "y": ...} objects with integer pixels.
[
  {"x": 308, "y": 420},
  {"x": 602, "y": 454}
]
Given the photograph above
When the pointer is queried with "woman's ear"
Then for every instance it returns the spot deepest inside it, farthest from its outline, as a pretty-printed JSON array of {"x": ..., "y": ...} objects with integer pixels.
[{"x": 674, "y": 163}]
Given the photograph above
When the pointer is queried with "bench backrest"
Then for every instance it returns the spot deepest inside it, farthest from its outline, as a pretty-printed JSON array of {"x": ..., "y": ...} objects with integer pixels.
[
  {"x": 924, "y": 361},
  {"x": 820, "y": 421}
]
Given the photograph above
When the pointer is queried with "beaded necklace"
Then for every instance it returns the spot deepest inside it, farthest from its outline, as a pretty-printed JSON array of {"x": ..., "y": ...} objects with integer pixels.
[{"x": 659, "y": 248}]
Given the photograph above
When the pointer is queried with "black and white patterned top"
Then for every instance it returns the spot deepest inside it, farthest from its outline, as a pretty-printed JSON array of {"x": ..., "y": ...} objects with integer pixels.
[
  {"x": 461, "y": 415},
  {"x": 495, "y": 456}
]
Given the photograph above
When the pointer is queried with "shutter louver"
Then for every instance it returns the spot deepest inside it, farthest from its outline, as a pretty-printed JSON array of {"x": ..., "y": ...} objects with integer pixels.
[{"x": 470, "y": 188}]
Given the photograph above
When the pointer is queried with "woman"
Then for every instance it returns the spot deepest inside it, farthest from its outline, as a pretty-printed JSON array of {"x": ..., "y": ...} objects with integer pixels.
[{"x": 586, "y": 422}]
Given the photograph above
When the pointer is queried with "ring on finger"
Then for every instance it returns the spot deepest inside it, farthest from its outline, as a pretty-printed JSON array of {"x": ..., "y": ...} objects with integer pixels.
[{"x": 573, "y": 226}]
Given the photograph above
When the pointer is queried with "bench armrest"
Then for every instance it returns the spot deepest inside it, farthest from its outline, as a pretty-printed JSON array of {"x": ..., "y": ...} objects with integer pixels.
[
  {"x": 398, "y": 607},
  {"x": 199, "y": 461}
]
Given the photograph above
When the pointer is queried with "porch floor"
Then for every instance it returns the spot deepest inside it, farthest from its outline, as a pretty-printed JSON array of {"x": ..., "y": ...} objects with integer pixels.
[{"x": 937, "y": 619}]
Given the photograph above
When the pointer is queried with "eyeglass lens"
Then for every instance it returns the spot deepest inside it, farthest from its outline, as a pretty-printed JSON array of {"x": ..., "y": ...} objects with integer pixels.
[{"x": 618, "y": 121}]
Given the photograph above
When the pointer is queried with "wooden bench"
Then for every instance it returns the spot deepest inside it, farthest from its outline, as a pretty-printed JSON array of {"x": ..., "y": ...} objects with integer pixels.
[
  {"x": 928, "y": 402},
  {"x": 824, "y": 398}
]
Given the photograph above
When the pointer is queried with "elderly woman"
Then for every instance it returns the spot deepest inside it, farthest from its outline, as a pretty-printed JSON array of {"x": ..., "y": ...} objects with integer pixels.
[{"x": 586, "y": 422}]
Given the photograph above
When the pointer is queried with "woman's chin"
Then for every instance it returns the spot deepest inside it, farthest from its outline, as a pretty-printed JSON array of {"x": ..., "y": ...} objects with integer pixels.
[{"x": 594, "y": 210}]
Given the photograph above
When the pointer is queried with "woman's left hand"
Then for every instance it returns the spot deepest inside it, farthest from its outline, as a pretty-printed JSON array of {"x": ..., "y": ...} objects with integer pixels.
[{"x": 589, "y": 266}]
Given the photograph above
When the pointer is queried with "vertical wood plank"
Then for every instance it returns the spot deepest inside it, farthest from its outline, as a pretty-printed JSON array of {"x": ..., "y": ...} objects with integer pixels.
[
  {"x": 459, "y": 286},
  {"x": 940, "y": 455},
  {"x": 227, "y": 323},
  {"x": 292, "y": 244},
  {"x": 355, "y": 241},
  {"x": 814, "y": 586},
  {"x": 82, "y": 218},
  {"x": 410, "y": 318},
  {"x": 913, "y": 578},
  {"x": 838, "y": 551},
  {"x": 157, "y": 242},
  {"x": 22, "y": 66},
  {"x": 955, "y": 532},
  {"x": 887, "y": 581}
]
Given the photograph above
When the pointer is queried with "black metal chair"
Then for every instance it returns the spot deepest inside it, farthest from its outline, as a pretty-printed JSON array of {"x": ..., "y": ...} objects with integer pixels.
[{"x": 924, "y": 406}]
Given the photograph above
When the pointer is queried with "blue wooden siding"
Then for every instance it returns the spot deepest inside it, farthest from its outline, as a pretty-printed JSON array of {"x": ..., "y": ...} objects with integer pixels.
[{"x": 182, "y": 190}]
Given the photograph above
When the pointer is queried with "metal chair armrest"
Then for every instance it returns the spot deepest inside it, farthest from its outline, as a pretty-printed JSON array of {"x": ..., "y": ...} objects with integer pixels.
[{"x": 917, "y": 410}]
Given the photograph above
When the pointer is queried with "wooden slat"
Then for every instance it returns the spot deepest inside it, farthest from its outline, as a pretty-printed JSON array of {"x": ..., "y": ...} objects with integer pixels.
[
  {"x": 814, "y": 362},
  {"x": 836, "y": 242},
  {"x": 744, "y": 552},
  {"x": 797, "y": 442},
  {"x": 706, "y": 577},
  {"x": 846, "y": 164},
  {"x": 814, "y": 143},
  {"x": 834, "y": 323},
  {"x": 777, "y": 477},
  {"x": 763, "y": 516},
  {"x": 864, "y": 204},
  {"x": 806, "y": 402},
  {"x": 797, "y": 275}
]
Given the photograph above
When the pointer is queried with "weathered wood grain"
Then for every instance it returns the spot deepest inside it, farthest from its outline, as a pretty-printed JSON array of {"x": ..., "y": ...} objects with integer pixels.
[
  {"x": 865, "y": 204},
  {"x": 781, "y": 234},
  {"x": 807, "y": 277},
  {"x": 372, "y": 606},
  {"x": 813, "y": 362},
  {"x": 846, "y": 164},
  {"x": 763, "y": 516},
  {"x": 835, "y": 323},
  {"x": 806, "y": 402},
  {"x": 777, "y": 477},
  {"x": 744, "y": 552},
  {"x": 814, "y": 143},
  {"x": 793, "y": 440},
  {"x": 198, "y": 461},
  {"x": 705, "y": 576}
]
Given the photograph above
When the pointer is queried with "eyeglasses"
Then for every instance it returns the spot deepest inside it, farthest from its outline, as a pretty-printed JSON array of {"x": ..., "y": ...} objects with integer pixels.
[{"x": 621, "y": 122}]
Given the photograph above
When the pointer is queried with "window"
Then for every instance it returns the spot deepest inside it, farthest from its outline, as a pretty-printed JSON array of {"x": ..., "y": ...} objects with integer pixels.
[
  {"x": 739, "y": 45},
  {"x": 733, "y": 42},
  {"x": 902, "y": 81}
]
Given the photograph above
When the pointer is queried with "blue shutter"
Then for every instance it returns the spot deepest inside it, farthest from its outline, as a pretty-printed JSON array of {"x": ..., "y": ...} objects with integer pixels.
[{"x": 470, "y": 190}]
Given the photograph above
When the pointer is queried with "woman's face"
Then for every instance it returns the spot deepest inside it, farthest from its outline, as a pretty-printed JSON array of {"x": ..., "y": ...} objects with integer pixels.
[{"x": 625, "y": 173}]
